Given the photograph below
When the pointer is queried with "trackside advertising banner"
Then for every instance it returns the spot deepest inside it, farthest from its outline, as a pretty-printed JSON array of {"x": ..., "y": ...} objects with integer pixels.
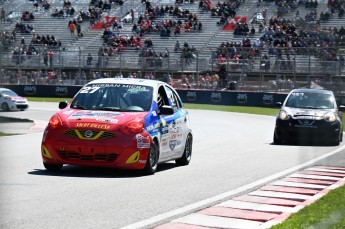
[
  {"x": 233, "y": 98},
  {"x": 52, "y": 91}
]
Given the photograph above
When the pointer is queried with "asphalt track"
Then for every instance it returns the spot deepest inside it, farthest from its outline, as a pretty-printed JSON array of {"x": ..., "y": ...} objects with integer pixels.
[{"x": 232, "y": 156}]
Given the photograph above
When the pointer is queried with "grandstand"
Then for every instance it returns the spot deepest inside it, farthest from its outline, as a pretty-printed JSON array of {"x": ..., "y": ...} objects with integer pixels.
[{"x": 305, "y": 63}]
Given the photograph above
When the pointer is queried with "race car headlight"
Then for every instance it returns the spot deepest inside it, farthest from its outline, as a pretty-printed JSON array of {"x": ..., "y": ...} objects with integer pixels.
[
  {"x": 283, "y": 115},
  {"x": 330, "y": 117},
  {"x": 136, "y": 126},
  {"x": 55, "y": 121}
]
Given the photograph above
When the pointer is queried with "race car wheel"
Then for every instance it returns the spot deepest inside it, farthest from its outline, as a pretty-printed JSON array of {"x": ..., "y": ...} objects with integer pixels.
[
  {"x": 52, "y": 167},
  {"x": 336, "y": 141},
  {"x": 152, "y": 160},
  {"x": 5, "y": 107},
  {"x": 276, "y": 140},
  {"x": 187, "y": 154}
]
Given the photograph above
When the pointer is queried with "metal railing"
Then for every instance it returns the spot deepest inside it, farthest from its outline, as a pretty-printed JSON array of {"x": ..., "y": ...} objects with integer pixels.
[{"x": 259, "y": 67}]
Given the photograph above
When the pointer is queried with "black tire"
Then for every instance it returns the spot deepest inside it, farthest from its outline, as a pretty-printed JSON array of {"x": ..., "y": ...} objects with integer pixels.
[
  {"x": 5, "y": 107},
  {"x": 187, "y": 154},
  {"x": 276, "y": 140},
  {"x": 341, "y": 135},
  {"x": 52, "y": 167},
  {"x": 152, "y": 160},
  {"x": 336, "y": 142}
]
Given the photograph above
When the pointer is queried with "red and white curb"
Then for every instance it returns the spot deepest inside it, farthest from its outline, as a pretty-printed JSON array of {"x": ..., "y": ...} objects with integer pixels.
[
  {"x": 39, "y": 125},
  {"x": 267, "y": 206}
]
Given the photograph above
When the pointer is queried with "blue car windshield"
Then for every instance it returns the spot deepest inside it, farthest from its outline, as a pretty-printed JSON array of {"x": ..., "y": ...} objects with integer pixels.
[
  {"x": 310, "y": 100},
  {"x": 114, "y": 97}
]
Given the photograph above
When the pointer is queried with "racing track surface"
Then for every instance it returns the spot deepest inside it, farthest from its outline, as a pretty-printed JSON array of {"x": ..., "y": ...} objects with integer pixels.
[{"x": 230, "y": 150}]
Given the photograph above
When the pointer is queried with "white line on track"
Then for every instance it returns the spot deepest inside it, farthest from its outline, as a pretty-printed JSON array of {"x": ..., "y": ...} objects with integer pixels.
[{"x": 154, "y": 221}]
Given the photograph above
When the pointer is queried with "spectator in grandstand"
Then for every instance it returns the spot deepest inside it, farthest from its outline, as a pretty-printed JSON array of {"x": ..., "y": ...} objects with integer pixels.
[
  {"x": 72, "y": 28},
  {"x": 66, "y": 4},
  {"x": 177, "y": 29},
  {"x": 51, "y": 56},
  {"x": 70, "y": 11},
  {"x": 2, "y": 15},
  {"x": 177, "y": 46},
  {"x": 58, "y": 13},
  {"x": 45, "y": 58},
  {"x": 45, "y": 5},
  {"x": 78, "y": 26},
  {"x": 148, "y": 43},
  {"x": 89, "y": 59},
  {"x": 27, "y": 16},
  {"x": 36, "y": 5}
]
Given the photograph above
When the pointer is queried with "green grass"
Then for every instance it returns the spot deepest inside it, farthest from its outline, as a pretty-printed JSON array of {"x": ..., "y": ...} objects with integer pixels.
[
  {"x": 4, "y": 134},
  {"x": 239, "y": 109},
  {"x": 328, "y": 212},
  {"x": 41, "y": 99}
]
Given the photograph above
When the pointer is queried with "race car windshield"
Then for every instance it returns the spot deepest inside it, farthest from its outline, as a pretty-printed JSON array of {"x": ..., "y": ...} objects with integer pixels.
[
  {"x": 310, "y": 100},
  {"x": 9, "y": 93},
  {"x": 114, "y": 97}
]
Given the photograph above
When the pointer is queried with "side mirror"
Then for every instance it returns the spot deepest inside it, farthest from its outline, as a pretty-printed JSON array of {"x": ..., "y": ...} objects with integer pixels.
[
  {"x": 166, "y": 110},
  {"x": 341, "y": 108},
  {"x": 279, "y": 104},
  {"x": 63, "y": 104}
]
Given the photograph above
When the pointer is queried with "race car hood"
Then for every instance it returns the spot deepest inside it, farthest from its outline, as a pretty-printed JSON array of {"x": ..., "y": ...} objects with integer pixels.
[
  {"x": 298, "y": 112},
  {"x": 15, "y": 98},
  {"x": 93, "y": 119}
]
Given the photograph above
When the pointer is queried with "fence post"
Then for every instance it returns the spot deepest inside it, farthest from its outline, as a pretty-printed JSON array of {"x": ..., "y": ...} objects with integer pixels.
[{"x": 79, "y": 49}]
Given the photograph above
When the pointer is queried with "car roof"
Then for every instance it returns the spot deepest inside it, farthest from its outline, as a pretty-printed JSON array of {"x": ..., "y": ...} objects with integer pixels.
[
  {"x": 4, "y": 89},
  {"x": 312, "y": 90},
  {"x": 142, "y": 82}
]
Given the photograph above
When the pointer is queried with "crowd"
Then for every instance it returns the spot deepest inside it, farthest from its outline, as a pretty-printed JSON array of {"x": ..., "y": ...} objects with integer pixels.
[{"x": 282, "y": 38}]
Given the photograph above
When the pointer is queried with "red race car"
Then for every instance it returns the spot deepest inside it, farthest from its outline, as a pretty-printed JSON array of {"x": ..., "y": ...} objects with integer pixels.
[{"x": 119, "y": 123}]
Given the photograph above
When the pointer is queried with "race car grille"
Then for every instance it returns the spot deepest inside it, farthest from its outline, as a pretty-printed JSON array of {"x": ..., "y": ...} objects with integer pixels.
[
  {"x": 21, "y": 106},
  {"x": 89, "y": 135},
  {"x": 97, "y": 157}
]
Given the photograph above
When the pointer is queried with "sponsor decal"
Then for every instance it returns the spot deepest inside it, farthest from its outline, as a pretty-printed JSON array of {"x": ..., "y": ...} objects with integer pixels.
[
  {"x": 30, "y": 90},
  {"x": 163, "y": 122},
  {"x": 165, "y": 130},
  {"x": 216, "y": 97},
  {"x": 308, "y": 118},
  {"x": 172, "y": 144},
  {"x": 142, "y": 161},
  {"x": 93, "y": 126},
  {"x": 107, "y": 120},
  {"x": 267, "y": 99},
  {"x": 68, "y": 112},
  {"x": 191, "y": 95},
  {"x": 152, "y": 127},
  {"x": 242, "y": 97},
  {"x": 142, "y": 141},
  {"x": 94, "y": 115},
  {"x": 61, "y": 91},
  {"x": 164, "y": 142}
]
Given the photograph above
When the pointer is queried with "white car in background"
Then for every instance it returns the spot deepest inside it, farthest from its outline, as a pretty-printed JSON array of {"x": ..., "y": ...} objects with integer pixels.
[{"x": 10, "y": 101}]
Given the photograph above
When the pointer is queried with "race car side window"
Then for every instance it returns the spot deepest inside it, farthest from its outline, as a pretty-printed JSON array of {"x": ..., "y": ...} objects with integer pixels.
[
  {"x": 175, "y": 102},
  {"x": 162, "y": 98}
]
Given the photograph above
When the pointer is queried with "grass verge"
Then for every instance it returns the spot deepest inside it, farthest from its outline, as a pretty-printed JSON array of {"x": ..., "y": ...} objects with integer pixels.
[{"x": 328, "y": 212}]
